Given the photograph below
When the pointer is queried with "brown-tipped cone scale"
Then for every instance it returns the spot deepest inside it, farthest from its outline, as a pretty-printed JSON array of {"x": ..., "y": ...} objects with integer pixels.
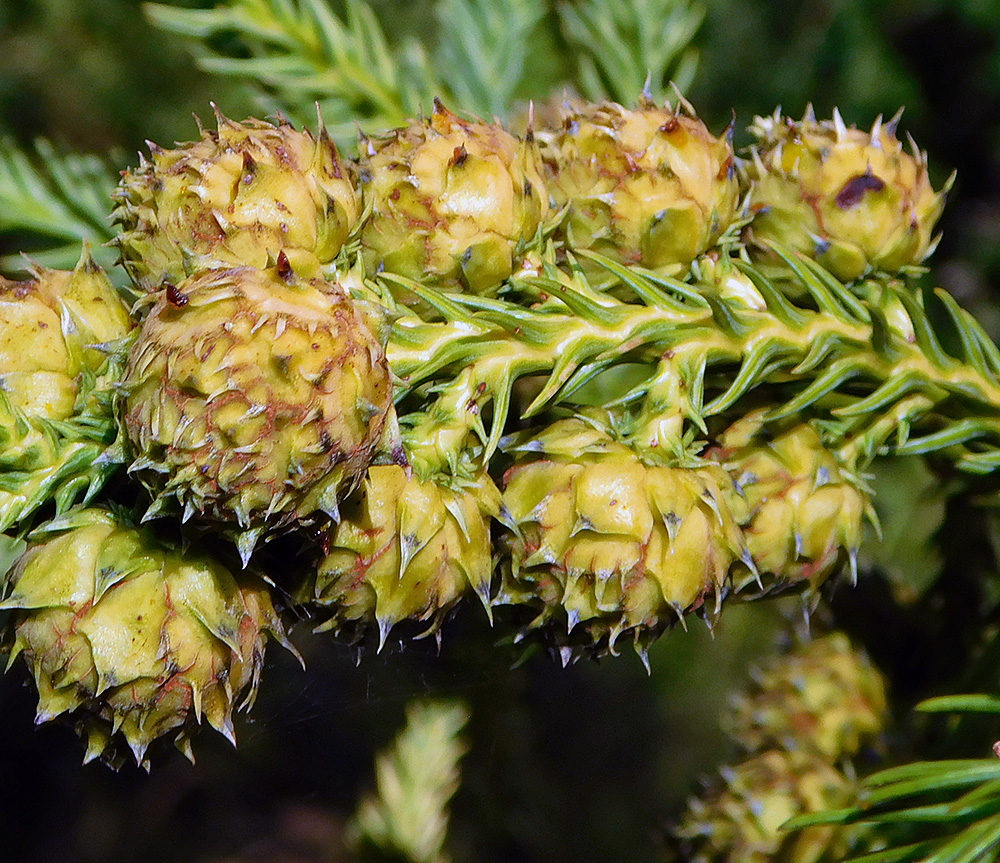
[
  {"x": 452, "y": 202},
  {"x": 649, "y": 185},
  {"x": 854, "y": 200},
  {"x": 601, "y": 544},
  {"x": 255, "y": 399},
  {"x": 131, "y": 638},
  {"x": 238, "y": 196},
  {"x": 59, "y": 363},
  {"x": 807, "y": 511},
  {"x": 406, "y": 549},
  {"x": 824, "y": 696}
]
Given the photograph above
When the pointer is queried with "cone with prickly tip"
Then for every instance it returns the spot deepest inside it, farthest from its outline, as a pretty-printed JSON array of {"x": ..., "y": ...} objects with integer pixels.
[
  {"x": 237, "y": 196},
  {"x": 61, "y": 354},
  {"x": 807, "y": 510},
  {"x": 854, "y": 200},
  {"x": 255, "y": 399},
  {"x": 406, "y": 549},
  {"x": 740, "y": 819},
  {"x": 649, "y": 186},
  {"x": 451, "y": 201},
  {"x": 132, "y": 638},
  {"x": 824, "y": 696},
  {"x": 601, "y": 544}
]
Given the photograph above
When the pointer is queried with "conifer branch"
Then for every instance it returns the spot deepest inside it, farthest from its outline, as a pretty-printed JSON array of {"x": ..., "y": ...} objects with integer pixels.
[
  {"x": 621, "y": 44},
  {"x": 484, "y": 45},
  {"x": 53, "y": 202},
  {"x": 416, "y": 778},
  {"x": 302, "y": 53}
]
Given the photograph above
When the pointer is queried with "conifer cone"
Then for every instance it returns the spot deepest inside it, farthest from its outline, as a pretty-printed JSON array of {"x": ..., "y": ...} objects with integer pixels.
[
  {"x": 236, "y": 197},
  {"x": 452, "y": 202},
  {"x": 807, "y": 511},
  {"x": 854, "y": 200},
  {"x": 406, "y": 549},
  {"x": 740, "y": 820},
  {"x": 255, "y": 399},
  {"x": 58, "y": 367},
  {"x": 824, "y": 696},
  {"x": 131, "y": 637},
  {"x": 600, "y": 543},
  {"x": 647, "y": 186}
]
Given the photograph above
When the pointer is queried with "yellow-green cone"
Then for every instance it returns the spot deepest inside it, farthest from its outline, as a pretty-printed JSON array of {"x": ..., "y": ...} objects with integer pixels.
[
  {"x": 740, "y": 821},
  {"x": 56, "y": 416},
  {"x": 648, "y": 186},
  {"x": 823, "y": 696},
  {"x": 406, "y": 549},
  {"x": 131, "y": 637},
  {"x": 237, "y": 196},
  {"x": 602, "y": 543},
  {"x": 255, "y": 398},
  {"x": 854, "y": 200},
  {"x": 807, "y": 511},
  {"x": 452, "y": 202}
]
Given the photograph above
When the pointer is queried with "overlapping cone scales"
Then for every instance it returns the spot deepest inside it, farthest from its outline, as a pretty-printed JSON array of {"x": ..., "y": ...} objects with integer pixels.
[
  {"x": 407, "y": 549},
  {"x": 237, "y": 196},
  {"x": 139, "y": 639},
  {"x": 452, "y": 201},
  {"x": 806, "y": 509},
  {"x": 601, "y": 540},
  {"x": 854, "y": 200},
  {"x": 56, "y": 386},
  {"x": 824, "y": 696},
  {"x": 741, "y": 820},
  {"x": 47, "y": 325},
  {"x": 647, "y": 186},
  {"x": 255, "y": 398}
]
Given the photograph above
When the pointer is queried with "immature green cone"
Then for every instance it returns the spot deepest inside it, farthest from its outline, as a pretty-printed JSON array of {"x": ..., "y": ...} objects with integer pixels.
[
  {"x": 648, "y": 186},
  {"x": 824, "y": 697},
  {"x": 237, "y": 196},
  {"x": 740, "y": 820},
  {"x": 807, "y": 511},
  {"x": 602, "y": 543},
  {"x": 453, "y": 202},
  {"x": 56, "y": 418},
  {"x": 407, "y": 549},
  {"x": 255, "y": 398},
  {"x": 131, "y": 637},
  {"x": 853, "y": 200}
]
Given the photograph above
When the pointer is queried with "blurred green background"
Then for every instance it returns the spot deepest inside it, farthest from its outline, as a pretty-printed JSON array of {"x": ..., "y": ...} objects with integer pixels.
[{"x": 581, "y": 764}]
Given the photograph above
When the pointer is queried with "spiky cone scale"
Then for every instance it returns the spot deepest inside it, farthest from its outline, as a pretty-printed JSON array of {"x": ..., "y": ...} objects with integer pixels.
[
  {"x": 406, "y": 549},
  {"x": 807, "y": 511},
  {"x": 237, "y": 196},
  {"x": 56, "y": 417},
  {"x": 132, "y": 638},
  {"x": 854, "y": 200},
  {"x": 452, "y": 202},
  {"x": 824, "y": 696},
  {"x": 740, "y": 819},
  {"x": 255, "y": 399},
  {"x": 600, "y": 543},
  {"x": 647, "y": 186}
]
